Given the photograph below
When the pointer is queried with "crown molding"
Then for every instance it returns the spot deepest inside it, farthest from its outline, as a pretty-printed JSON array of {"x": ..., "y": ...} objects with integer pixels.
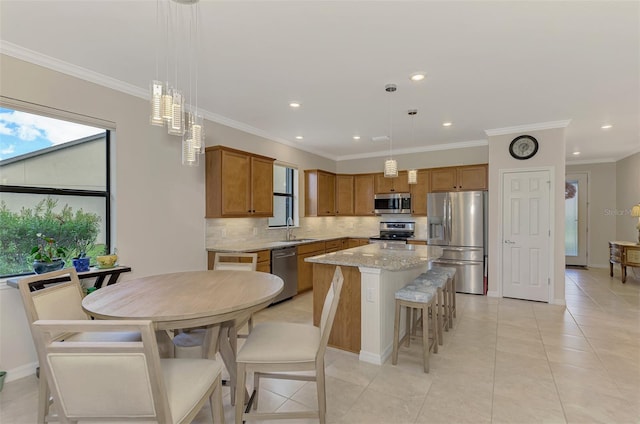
[
  {"x": 529, "y": 127},
  {"x": 437, "y": 147}
]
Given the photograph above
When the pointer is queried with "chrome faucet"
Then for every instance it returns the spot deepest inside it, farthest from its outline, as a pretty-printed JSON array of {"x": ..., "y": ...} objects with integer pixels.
[{"x": 290, "y": 235}]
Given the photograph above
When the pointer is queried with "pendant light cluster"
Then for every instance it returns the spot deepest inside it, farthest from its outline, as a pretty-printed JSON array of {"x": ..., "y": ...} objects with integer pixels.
[
  {"x": 390, "y": 165},
  {"x": 167, "y": 101}
]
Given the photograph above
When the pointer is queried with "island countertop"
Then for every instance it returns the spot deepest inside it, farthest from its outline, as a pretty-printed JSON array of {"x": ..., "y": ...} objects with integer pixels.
[{"x": 391, "y": 257}]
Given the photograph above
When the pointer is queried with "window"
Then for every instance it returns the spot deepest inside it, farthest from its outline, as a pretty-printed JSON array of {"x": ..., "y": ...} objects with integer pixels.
[
  {"x": 54, "y": 180},
  {"x": 285, "y": 194}
]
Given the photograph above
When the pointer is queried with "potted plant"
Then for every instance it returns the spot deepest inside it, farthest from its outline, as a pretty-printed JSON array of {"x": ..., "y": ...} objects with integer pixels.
[
  {"x": 47, "y": 256},
  {"x": 81, "y": 260}
]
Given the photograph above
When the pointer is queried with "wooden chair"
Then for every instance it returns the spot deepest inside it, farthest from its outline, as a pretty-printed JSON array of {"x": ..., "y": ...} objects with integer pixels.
[
  {"x": 59, "y": 301},
  {"x": 122, "y": 380},
  {"x": 189, "y": 343},
  {"x": 275, "y": 348}
]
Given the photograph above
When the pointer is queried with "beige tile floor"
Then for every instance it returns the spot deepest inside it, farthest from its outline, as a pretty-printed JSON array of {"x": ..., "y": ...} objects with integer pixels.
[{"x": 505, "y": 361}]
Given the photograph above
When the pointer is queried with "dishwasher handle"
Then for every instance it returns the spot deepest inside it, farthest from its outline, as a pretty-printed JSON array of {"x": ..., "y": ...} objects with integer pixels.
[{"x": 287, "y": 254}]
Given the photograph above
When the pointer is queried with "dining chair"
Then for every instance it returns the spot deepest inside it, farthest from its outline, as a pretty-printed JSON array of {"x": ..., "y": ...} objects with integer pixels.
[
  {"x": 279, "y": 350},
  {"x": 59, "y": 301},
  {"x": 123, "y": 380},
  {"x": 189, "y": 343}
]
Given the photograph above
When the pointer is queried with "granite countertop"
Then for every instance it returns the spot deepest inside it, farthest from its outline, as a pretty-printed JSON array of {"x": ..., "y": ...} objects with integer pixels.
[
  {"x": 391, "y": 257},
  {"x": 253, "y": 245}
]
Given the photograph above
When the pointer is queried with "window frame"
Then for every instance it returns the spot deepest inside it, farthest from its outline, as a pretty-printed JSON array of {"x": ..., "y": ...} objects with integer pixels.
[
  {"x": 290, "y": 209},
  {"x": 47, "y": 191}
]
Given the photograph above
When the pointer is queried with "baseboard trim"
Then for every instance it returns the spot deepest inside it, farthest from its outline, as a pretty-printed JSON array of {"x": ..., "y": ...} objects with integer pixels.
[{"x": 21, "y": 371}]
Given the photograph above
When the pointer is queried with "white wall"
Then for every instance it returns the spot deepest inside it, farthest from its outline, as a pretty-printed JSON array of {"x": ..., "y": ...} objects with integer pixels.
[
  {"x": 551, "y": 154},
  {"x": 602, "y": 205},
  {"x": 627, "y": 195}
]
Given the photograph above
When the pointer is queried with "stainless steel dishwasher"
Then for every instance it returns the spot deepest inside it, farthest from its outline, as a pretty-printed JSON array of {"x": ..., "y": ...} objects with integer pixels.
[{"x": 284, "y": 264}]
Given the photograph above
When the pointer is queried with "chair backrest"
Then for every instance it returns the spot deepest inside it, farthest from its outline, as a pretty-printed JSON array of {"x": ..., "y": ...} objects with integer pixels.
[
  {"x": 235, "y": 261},
  {"x": 103, "y": 380},
  {"x": 329, "y": 309},
  {"x": 58, "y": 301}
]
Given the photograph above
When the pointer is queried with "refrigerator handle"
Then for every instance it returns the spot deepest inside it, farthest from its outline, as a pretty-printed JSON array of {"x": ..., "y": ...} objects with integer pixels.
[{"x": 447, "y": 202}]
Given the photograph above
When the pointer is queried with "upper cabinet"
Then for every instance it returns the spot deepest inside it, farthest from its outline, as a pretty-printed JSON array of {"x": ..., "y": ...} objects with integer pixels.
[
  {"x": 363, "y": 194},
  {"x": 320, "y": 193},
  {"x": 238, "y": 184},
  {"x": 419, "y": 193},
  {"x": 344, "y": 195},
  {"x": 459, "y": 178},
  {"x": 399, "y": 184}
]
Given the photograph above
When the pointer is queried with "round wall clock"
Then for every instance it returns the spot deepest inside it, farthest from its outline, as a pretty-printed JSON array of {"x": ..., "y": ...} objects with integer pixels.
[{"x": 523, "y": 147}]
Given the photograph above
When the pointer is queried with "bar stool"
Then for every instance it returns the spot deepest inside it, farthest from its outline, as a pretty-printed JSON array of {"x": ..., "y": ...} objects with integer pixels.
[
  {"x": 423, "y": 297},
  {"x": 439, "y": 281},
  {"x": 451, "y": 288}
]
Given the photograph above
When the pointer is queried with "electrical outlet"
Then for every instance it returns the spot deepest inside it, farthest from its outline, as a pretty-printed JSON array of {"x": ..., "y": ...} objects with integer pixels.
[
  {"x": 223, "y": 232},
  {"x": 255, "y": 231},
  {"x": 370, "y": 295}
]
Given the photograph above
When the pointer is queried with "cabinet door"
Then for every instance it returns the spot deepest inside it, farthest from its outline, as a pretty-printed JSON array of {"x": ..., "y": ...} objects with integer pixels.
[
  {"x": 326, "y": 194},
  {"x": 443, "y": 179},
  {"x": 383, "y": 184},
  {"x": 472, "y": 177},
  {"x": 419, "y": 194},
  {"x": 236, "y": 184},
  {"x": 261, "y": 187},
  {"x": 401, "y": 182},
  {"x": 344, "y": 195},
  {"x": 363, "y": 195}
]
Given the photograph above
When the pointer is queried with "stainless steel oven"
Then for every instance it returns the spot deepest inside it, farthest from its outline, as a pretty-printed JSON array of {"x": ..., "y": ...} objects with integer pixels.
[
  {"x": 392, "y": 203},
  {"x": 394, "y": 232}
]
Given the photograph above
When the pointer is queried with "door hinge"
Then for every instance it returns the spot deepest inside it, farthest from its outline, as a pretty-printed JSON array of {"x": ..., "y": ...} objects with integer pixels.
[{"x": 548, "y": 281}]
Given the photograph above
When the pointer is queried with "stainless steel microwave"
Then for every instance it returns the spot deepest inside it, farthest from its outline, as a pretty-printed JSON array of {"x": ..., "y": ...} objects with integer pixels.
[{"x": 392, "y": 203}]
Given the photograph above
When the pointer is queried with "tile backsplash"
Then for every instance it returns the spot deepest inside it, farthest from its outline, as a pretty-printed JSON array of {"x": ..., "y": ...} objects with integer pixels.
[{"x": 221, "y": 230}]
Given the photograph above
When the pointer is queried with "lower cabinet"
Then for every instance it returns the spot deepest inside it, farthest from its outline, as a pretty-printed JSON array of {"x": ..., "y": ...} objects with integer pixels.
[
  {"x": 355, "y": 242},
  {"x": 305, "y": 269}
]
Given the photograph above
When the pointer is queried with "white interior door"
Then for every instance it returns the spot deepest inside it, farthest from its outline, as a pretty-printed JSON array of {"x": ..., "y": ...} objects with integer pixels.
[
  {"x": 576, "y": 218},
  {"x": 526, "y": 235}
]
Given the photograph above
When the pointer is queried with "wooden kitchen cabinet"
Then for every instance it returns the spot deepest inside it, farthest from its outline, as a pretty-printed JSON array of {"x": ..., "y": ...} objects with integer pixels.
[
  {"x": 459, "y": 178},
  {"x": 363, "y": 192},
  {"x": 305, "y": 269},
  {"x": 344, "y": 195},
  {"x": 238, "y": 184},
  {"x": 320, "y": 193},
  {"x": 399, "y": 184},
  {"x": 335, "y": 245},
  {"x": 419, "y": 194},
  {"x": 356, "y": 242}
]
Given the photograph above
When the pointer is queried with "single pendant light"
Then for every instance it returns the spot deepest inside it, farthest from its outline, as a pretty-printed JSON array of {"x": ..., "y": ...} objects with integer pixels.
[
  {"x": 390, "y": 165},
  {"x": 412, "y": 174}
]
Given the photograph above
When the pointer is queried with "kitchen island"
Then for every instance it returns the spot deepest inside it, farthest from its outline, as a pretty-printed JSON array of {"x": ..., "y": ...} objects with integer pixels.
[{"x": 372, "y": 274}]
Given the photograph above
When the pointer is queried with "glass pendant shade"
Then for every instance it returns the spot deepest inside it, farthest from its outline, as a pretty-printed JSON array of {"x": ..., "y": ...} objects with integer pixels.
[
  {"x": 390, "y": 168},
  {"x": 412, "y": 176},
  {"x": 176, "y": 125},
  {"x": 167, "y": 102},
  {"x": 190, "y": 155},
  {"x": 198, "y": 136},
  {"x": 156, "y": 103}
]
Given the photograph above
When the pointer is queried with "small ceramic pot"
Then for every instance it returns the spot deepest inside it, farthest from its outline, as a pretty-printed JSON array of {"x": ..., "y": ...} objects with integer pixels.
[
  {"x": 81, "y": 264},
  {"x": 40, "y": 267}
]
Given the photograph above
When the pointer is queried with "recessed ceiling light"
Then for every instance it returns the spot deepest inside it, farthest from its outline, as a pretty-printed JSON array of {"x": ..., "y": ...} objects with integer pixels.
[
  {"x": 606, "y": 127},
  {"x": 356, "y": 137},
  {"x": 446, "y": 124},
  {"x": 417, "y": 76},
  {"x": 294, "y": 104},
  {"x": 576, "y": 153},
  {"x": 299, "y": 137}
]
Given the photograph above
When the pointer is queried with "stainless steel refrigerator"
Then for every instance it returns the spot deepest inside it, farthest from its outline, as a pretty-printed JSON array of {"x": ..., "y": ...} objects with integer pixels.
[{"x": 456, "y": 221}]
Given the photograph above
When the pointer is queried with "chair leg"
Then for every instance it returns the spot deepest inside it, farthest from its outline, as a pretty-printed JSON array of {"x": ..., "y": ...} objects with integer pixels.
[
  {"x": 322, "y": 394},
  {"x": 256, "y": 388},
  {"x": 425, "y": 339},
  {"x": 250, "y": 324},
  {"x": 408, "y": 325},
  {"x": 215, "y": 401},
  {"x": 440, "y": 314},
  {"x": 435, "y": 325},
  {"x": 43, "y": 398},
  {"x": 396, "y": 334},
  {"x": 241, "y": 377}
]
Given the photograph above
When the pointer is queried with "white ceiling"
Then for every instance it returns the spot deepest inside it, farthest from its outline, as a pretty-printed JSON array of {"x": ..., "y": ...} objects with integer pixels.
[{"x": 489, "y": 65}]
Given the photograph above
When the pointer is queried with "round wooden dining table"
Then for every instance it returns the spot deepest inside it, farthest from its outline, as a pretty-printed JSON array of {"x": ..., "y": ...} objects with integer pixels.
[{"x": 215, "y": 299}]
